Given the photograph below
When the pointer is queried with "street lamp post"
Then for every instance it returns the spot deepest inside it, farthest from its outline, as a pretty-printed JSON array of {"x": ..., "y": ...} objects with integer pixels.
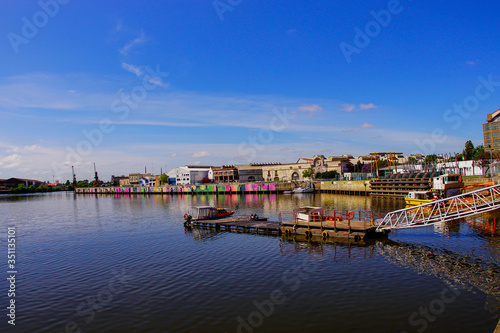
[{"x": 491, "y": 162}]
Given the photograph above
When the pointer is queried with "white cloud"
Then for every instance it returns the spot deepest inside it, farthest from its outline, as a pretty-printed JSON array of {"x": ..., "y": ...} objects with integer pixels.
[
  {"x": 470, "y": 62},
  {"x": 312, "y": 108},
  {"x": 10, "y": 161},
  {"x": 132, "y": 69},
  {"x": 367, "y": 106},
  {"x": 348, "y": 107},
  {"x": 367, "y": 125},
  {"x": 137, "y": 41},
  {"x": 199, "y": 154}
]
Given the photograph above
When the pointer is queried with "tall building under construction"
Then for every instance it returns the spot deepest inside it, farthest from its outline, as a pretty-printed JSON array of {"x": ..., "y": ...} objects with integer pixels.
[{"x": 491, "y": 131}]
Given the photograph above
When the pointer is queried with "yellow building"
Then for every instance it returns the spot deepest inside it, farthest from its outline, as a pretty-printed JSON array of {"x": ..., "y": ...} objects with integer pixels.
[
  {"x": 294, "y": 171},
  {"x": 491, "y": 131}
]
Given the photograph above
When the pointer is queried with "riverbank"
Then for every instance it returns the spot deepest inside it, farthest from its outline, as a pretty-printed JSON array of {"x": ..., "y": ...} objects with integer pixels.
[{"x": 347, "y": 187}]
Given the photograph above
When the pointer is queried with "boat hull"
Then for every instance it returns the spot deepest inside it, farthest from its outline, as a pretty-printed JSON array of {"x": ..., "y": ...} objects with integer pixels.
[{"x": 416, "y": 202}]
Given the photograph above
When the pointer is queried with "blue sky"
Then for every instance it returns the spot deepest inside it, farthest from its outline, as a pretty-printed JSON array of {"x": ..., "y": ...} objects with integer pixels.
[{"x": 129, "y": 84}]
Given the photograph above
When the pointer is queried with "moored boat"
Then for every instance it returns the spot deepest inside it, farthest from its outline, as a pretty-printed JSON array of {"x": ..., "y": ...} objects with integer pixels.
[
  {"x": 206, "y": 213},
  {"x": 443, "y": 186},
  {"x": 304, "y": 189}
]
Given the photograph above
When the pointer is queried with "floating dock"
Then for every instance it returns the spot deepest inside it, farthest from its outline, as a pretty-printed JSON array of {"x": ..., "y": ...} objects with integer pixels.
[{"x": 310, "y": 222}]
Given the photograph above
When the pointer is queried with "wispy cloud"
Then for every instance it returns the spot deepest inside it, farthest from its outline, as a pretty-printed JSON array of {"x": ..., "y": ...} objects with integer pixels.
[
  {"x": 137, "y": 41},
  {"x": 132, "y": 69},
  {"x": 367, "y": 106},
  {"x": 199, "y": 154},
  {"x": 312, "y": 108},
  {"x": 348, "y": 107},
  {"x": 367, "y": 125},
  {"x": 470, "y": 62}
]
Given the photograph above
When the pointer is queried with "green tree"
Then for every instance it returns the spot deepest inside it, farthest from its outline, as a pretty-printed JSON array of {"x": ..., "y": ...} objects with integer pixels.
[
  {"x": 42, "y": 188},
  {"x": 327, "y": 175},
  {"x": 358, "y": 166},
  {"x": 478, "y": 151},
  {"x": 163, "y": 179},
  {"x": 309, "y": 173},
  {"x": 468, "y": 152},
  {"x": 83, "y": 183},
  {"x": 412, "y": 159},
  {"x": 20, "y": 188},
  {"x": 431, "y": 158}
]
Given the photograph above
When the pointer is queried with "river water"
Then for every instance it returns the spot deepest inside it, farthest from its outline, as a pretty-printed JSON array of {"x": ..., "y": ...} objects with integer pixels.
[{"x": 126, "y": 264}]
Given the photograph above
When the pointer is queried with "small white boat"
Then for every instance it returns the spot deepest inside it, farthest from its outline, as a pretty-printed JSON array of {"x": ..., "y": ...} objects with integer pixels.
[{"x": 303, "y": 190}]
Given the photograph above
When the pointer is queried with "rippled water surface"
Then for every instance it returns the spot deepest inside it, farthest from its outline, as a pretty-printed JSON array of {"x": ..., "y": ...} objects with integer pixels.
[{"x": 126, "y": 264}]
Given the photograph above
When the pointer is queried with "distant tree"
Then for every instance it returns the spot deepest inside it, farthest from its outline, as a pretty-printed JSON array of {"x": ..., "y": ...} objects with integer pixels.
[
  {"x": 457, "y": 157},
  {"x": 67, "y": 183},
  {"x": 484, "y": 159},
  {"x": 308, "y": 173},
  {"x": 20, "y": 188},
  {"x": 468, "y": 152},
  {"x": 358, "y": 166},
  {"x": 412, "y": 159},
  {"x": 327, "y": 175},
  {"x": 42, "y": 188},
  {"x": 206, "y": 180},
  {"x": 478, "y": 151},
  {"x": 431, "y": 158},
  {"x": 70, "y": 188},
  {"x": 366, "y": 168},
  {"x": 163, "y": 179},
  {"x": 83, "y": 183}
]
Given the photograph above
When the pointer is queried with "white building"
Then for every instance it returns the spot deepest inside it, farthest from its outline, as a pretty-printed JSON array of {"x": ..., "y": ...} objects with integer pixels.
[
  {"x": 190, "y": 174},
  {"x": 465, "y": 168}
]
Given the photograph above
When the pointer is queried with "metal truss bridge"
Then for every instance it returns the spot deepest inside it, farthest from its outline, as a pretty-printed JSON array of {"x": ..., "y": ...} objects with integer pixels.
[{"x": 443, "y": 210}]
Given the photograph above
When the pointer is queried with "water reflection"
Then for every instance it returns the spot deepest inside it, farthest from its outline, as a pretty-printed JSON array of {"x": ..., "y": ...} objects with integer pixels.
[{"x": 456, "y": 270}]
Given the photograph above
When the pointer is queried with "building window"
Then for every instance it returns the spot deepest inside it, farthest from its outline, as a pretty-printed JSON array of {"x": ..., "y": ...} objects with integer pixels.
[
  {"x": 487, "y": 136},
  {"x": 494, "y": 126}
]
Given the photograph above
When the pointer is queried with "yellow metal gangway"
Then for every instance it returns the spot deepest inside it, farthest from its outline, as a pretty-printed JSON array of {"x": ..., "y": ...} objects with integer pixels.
[{"x": 443, "y": 210}]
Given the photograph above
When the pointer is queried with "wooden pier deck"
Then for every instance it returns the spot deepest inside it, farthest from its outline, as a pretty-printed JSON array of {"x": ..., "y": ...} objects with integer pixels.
[{"x": 349, "y": 229}]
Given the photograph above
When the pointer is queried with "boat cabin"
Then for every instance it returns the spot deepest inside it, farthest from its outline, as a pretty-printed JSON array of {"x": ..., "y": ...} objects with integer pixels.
[
  {"x": 447, "y": 181},
  {"x": 421, "y": 195},
  {"x": 447, "y": 185},
  {"x": 208, "y": 212},
  {"x": 203, "y": 212},
  {"x": 308, "y": 213}
]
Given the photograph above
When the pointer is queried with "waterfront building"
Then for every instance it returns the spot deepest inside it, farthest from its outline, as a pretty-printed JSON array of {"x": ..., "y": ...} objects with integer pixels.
[
  {"x": 294, "y": 171},
  {"x": 491, "y": 131},
  {"x": 124, "y": 181},
  {"x": 134, "y": 178},
  {"x": 147, "y": 181},
  {"x": 14, "y": 182},
  {"x": 465, "y": 168},
  {"x": 250, "y": 172},
  {"x": 191, "y": 174},
  {"x": 284, "y": 172},
  {"x": 225, "y": 174},
  {"x": 116, "y": 180}
]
